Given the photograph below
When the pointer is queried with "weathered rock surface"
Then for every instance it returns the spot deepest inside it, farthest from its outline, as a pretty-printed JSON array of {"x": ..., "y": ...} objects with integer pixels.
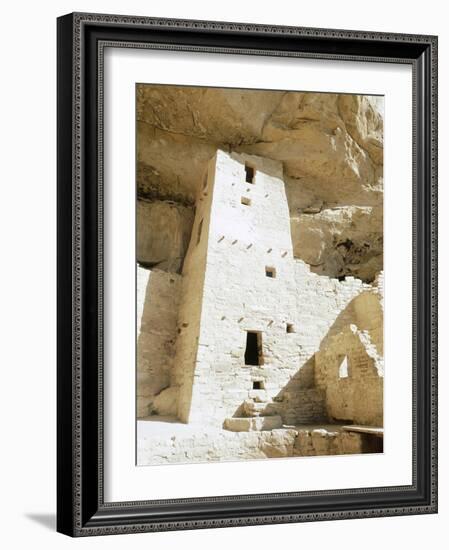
[
  {"x": 325, "y": 442},
  {"x": 163, "y": 234},
  {"x": 340, "y": 241},
  {"x": 331, "y": 147},
  {"x": 166, "y": 402}
]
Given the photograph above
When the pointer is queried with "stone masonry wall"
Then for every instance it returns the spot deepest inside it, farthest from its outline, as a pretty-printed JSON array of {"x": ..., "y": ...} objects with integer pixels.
[
  {"x": 244, "y": 240},
  {"x": 190, "y": 310},
  {"x": 351, "y": 378},
  {"x": 321, "y": 311},
  {"x": 350, "y": 367},
  {"x": 221, "y": 445}
]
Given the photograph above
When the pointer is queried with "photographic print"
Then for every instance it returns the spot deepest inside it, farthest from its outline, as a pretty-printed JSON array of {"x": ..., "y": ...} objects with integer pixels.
[{"x": 259, "y": 274}]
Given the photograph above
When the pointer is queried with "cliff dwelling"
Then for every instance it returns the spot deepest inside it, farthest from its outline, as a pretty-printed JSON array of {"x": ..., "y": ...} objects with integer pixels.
[{"x": 247, "y": 348}]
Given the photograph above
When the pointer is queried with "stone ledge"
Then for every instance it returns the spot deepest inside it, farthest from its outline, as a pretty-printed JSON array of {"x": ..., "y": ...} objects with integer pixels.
[
  {"x": 257, "y": 424},
  {"x": 370, "y": 430}
]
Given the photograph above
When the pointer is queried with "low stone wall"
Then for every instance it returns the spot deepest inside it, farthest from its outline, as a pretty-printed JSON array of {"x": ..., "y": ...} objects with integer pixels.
[
  {"x": 349, "y": 367},
  {"x": 222, "y": 445},
  {"x": 351, "y": 379},
  {"x": 157, "y": 314},
  {"x": 301, "y": 406},
  {"x": 322, "y": 442}
]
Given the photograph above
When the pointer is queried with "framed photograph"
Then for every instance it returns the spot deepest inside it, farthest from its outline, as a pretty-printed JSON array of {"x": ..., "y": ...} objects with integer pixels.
[{"x": 247, "y": 274}]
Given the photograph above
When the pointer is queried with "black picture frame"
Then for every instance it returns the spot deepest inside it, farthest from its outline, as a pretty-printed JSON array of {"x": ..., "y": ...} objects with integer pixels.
[{"x": 81, "y": 510}]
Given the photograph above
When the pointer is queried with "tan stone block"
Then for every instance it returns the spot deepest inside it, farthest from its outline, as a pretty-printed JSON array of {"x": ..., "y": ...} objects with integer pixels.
[{"x": 253, "y": 424}]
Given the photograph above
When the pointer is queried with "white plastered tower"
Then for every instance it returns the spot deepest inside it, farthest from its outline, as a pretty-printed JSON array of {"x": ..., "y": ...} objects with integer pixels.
[{"x": 237, "y": 324}]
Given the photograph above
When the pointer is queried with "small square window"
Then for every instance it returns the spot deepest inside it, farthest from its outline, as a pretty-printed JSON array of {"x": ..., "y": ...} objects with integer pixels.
[
  {"x": 258, "y": 385},
  {"x": 290, "y": 328},
  {"x": 246, "y": 201},
  {"x": 249, "y": 173},
  {"x": 270, "y": 272},
  {"x": 343, "y": 368}
]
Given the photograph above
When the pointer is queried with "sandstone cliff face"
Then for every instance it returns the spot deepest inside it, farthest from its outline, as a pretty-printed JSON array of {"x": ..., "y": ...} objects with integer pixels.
[
  {"x": 331, "y": 147},
  {"x": 163, "y": 234}
]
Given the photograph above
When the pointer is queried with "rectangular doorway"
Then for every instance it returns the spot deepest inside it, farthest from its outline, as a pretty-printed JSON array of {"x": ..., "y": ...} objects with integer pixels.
[{"x": 253, "y": 350}]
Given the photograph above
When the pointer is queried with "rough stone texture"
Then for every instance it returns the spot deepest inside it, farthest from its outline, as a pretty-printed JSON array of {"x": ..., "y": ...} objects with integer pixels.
[
  {"x": 163, "y": 234},
  {"x": 331, "y": 147},
  {"x": 209, "y": 445},
  {"x": 257, "y": 424},
  {"x": 322, "y": 311},
  {"x": 165, "y": 403},
  {"x": 330, "y": 441},
  {"x": 341, "y": 240},
  {"x": 157, "y": 312},
  {"x": 190, "y": 308},
  {"x": 212, "y": 446}
]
